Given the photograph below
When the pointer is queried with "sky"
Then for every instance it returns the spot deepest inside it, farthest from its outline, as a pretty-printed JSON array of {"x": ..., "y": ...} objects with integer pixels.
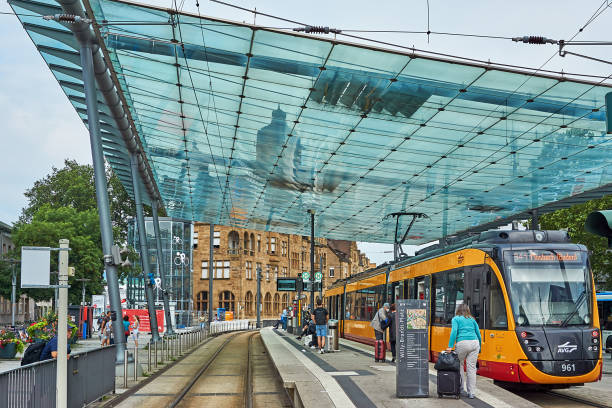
[{"x": 39, "y": 128}]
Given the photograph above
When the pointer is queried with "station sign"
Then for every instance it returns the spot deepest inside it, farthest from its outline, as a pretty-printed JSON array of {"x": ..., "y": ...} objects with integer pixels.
[
  {"x": 412, "y": 374},
  {"x": 305, "y": 276},
  {"x": 287, "y": 285},
  {"x": 318, "y": 276}
]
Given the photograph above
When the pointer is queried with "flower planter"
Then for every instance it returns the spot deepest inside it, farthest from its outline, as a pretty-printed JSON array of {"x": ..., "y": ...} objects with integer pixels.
[{"x": 8, "y": 351}]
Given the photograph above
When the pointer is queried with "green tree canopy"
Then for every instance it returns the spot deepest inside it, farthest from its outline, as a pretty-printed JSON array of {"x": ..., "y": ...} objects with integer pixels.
[{"x": 572, "y": 219}]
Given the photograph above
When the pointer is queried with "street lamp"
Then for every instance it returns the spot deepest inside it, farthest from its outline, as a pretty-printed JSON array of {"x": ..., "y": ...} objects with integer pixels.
[
  {"x": 83, "y": 280},
  {"x": 13, "y": 262}
]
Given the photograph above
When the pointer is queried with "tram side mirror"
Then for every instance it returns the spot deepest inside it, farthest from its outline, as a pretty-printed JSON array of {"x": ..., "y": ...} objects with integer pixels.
[{"x": 600, "y": 223}]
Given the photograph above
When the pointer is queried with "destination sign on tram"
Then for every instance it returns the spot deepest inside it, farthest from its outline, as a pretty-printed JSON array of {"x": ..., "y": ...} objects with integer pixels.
[{"x": 546, "y": 256}]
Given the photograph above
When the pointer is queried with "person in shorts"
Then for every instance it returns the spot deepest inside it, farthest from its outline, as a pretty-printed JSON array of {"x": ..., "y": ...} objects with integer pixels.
[
  {"x": 320, "y": 316},
  {"x": 135, "y": 329}
]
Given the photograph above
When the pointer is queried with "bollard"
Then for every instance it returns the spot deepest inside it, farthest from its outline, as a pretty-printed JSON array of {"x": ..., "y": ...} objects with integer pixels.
[
  {"x": 149, "y": 361},
  {"x": 135, "y": 363},
  {"x": 180, "y": 339},
  {"x": 163, "y": 349},
  {"x": 125, "y": 367},
  {"x": 155, "y": 354}
]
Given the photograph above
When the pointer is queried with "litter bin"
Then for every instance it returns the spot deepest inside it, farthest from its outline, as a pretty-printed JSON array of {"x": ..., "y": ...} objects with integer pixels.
[{"x": 332, "y": 325}]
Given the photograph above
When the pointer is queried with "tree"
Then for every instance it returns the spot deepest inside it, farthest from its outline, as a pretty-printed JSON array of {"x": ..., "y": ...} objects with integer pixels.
[
  {"x": 73, "y": 186},
  {"x": 47, "y": 227},
  {"x": 573, "y": 220}
]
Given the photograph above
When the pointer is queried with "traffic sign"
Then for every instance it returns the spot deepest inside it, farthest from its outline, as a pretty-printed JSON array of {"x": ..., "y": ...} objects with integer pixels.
[
  {"x": 318, "y": 276},
  {"x": 305, "y": 276}
]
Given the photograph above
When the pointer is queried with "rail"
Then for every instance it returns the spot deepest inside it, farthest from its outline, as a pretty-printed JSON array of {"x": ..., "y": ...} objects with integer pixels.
[{"x": 91, "y": 374}]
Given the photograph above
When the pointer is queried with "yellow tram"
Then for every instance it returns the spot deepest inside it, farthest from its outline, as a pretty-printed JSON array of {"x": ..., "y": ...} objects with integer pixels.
[{"x": 531, "y": 292}]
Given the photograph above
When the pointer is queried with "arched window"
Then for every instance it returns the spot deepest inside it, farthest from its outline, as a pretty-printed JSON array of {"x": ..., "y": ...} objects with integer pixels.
[
  {"x": 233, "y": 242},
  {"x": 252, "y": 243},
  {"x": 202, "y": 301},
  {"x": 245, "y": 241},
  {"x": 268, "y": 304},
  {"x": 285, "y": 301},
  {"x": 248, "y": 302},
  {"x": 226, "y": 300},
  {"x": 276, "y": 303}
]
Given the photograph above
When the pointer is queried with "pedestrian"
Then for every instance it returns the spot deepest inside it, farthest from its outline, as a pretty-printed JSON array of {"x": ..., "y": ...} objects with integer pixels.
[
  {"x": 103, "y": 329},
  {"x": 284, "y": 319},
  {"x": 320, "y": 316},
  {"x": 135, "y": 329},
  {"x": 465, "y": 337},
  {"x": 391, "y": 326},
  {"x": 279, "y": 322},
  {"x": 50, "y": 350},
  {"x": 126, "y": 327},
  {"x": 380, "y": 319}
]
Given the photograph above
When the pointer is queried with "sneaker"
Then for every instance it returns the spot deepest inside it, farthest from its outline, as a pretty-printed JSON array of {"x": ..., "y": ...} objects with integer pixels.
[
  {"x": 299, "y": 338},
  {"x": 313, "y": 347},
  {"x": 471, "y": 396},
  {"x": 320, "y": 351}
]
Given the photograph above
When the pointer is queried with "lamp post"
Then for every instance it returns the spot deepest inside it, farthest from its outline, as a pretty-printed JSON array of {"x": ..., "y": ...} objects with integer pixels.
[
  {"x": 82, "y": 280},
  {"x": 13, "y": 262}
]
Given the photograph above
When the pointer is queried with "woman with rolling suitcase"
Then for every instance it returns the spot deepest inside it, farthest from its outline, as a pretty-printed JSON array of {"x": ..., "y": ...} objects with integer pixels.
[
  {"x": 465, "y": 338},
  {"x": 378, "y": 323}
]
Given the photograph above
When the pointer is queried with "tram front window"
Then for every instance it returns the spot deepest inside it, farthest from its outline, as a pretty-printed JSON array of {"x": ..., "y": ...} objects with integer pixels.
[{"x": 549, "y": 287}]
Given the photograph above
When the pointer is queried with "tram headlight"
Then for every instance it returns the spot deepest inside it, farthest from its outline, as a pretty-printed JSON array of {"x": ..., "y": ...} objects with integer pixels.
[
  {"x": 526, "y": 342},
  {"x": 529, "y": 349},
  {"x": 539, "y": 236}
]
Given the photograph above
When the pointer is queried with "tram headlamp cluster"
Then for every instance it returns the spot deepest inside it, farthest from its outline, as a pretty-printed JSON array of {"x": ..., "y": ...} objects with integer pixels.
[
  {"x": 537, "y": 349},
  {"x": 539, "y": 236}
]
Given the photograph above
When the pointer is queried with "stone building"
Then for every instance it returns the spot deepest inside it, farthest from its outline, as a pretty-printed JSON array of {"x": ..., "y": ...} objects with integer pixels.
[{"x": 238, "y": 253}]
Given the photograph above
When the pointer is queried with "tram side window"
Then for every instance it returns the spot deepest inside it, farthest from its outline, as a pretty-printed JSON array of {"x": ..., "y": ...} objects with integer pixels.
[
  {"x": 448, "y": 294},
  {"x": 497, "y": 308}
]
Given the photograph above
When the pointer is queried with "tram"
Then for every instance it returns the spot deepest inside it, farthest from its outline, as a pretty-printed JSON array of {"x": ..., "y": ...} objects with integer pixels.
[{"x": 531, "y": 292}]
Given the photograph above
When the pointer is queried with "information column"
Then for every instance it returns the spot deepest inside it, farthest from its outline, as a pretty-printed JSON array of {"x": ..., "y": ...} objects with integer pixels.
[{"x": 412, "y": 378}]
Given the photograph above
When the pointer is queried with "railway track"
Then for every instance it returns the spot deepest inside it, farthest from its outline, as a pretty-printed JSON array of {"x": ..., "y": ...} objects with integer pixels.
[
  {"x": 238, "y": 374},
  {"x": 556, "y": 399}
]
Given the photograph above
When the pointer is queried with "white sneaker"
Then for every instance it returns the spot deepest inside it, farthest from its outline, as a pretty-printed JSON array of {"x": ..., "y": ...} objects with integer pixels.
[
  {"x": 313, "y": 347},
  {"x": 320, "y": 351}
]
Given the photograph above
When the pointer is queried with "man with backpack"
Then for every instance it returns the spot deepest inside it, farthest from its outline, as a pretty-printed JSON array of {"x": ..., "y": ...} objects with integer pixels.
[
  {"x": 50, "y": 350},
  {"x": 320, "y": 316}
]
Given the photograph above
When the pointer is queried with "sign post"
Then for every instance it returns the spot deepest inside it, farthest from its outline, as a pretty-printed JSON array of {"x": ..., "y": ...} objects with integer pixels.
[{"x": 412, "y": 374}]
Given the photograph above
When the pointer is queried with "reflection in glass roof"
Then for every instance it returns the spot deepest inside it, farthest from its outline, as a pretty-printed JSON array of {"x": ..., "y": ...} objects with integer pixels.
[{"x": 252, "y": 127}]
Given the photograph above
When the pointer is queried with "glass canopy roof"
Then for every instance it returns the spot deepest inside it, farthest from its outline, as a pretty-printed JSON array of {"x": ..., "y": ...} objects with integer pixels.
[{"x": 253, "y": 127}]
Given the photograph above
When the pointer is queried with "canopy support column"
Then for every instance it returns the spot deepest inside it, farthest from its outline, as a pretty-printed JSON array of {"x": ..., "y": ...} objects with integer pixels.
[
  {"x": 106, "y": 229},
  {"x": 144, "y": 248},
  {"x": 211, "y": 273},
  {"x": 162, "y": 268},
  {"x": 312, "y": 259}
]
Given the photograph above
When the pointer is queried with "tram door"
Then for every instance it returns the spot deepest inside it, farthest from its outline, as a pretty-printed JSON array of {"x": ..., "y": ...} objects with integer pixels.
[{"x": 475, "y": 291}]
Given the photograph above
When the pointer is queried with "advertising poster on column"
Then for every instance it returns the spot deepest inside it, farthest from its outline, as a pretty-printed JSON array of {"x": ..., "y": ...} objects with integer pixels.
[
  {"x": 412, "y": 374},
  {"x": 143, "y": 316}
]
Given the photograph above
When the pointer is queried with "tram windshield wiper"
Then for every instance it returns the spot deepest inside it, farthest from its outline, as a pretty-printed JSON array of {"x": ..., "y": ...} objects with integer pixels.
[{"x": 579, "y": 303}]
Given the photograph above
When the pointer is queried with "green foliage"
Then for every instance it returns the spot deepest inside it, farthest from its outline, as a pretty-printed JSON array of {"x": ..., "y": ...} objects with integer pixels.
[
  {"x": 82, "y": 229},
  {"x": 46, "y": 327},
  {"x": 573, "y": 220},
  {"x": 6, "y": 273},
  {"x": 7, "y": 337}
]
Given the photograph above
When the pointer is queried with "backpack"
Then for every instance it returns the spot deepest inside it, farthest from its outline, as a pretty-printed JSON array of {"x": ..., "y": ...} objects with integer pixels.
[
  {"x": 448, "y": 362},
  {"x": 33, "y": 352}
]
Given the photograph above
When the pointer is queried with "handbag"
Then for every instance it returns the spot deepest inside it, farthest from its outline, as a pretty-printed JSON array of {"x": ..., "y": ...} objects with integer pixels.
[{"x": 447, "y": 362}]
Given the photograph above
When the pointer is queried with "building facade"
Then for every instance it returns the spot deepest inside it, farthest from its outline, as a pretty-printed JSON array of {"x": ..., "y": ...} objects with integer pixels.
[
  {"x": 25, "y": 310},
  {"x": 239, "y": 252}
]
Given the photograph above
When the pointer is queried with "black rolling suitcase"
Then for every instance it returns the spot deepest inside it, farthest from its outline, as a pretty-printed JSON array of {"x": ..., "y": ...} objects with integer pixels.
[{"x": 449, "y": 383}]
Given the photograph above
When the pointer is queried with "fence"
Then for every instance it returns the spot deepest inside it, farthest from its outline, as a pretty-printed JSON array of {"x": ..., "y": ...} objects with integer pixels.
[
  {"x": 231, "y": 325},
  {"x": 91, "y": 374}
]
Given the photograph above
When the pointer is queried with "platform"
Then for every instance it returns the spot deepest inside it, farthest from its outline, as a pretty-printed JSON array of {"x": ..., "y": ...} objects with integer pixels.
[{"x": 351, "y": 378}]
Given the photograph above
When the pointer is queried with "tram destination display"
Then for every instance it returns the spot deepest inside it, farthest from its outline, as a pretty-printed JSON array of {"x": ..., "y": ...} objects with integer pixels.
[{"x": 412, "y": 374}]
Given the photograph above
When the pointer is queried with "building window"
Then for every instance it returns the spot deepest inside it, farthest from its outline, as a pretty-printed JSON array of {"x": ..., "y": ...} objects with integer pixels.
[
  {"x": 285, "y": 301},
  {"x": 284, "y": 248},
  {"x": 273, "y": 245},
  {"x": 258, "y": 243},
  {"x": 275, "y": 272},
  {"x": 226, "y": 300},
  {"x": 267, "y": 272},
  {"x": 245, "y": 241},
  {"x": 258, "y": 268},
  {"x": 344, "y": 271},
  {"x": 248, "y": 302},
  {"x": 216, "y": 239},
  {"x": 276, "y": 303},
  {"x": 204, "y": 269},
  {"x": 331, "y": 271},
  {"x": 284, "y": 271},
  {"x": 252, "y": 243},
  {"x": 202, "y": 301},
  {"x": 268, "y": 304},
  {"x": 233, "y": 242},
  {"x": 249, "y": 270}
]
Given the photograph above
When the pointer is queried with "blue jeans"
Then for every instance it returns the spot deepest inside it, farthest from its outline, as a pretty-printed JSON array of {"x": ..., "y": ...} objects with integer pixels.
[{"x": 321, "y": 330}]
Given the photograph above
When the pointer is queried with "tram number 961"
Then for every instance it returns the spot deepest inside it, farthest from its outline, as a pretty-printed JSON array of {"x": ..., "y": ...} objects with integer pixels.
[{"x": 568, "y": 367}]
